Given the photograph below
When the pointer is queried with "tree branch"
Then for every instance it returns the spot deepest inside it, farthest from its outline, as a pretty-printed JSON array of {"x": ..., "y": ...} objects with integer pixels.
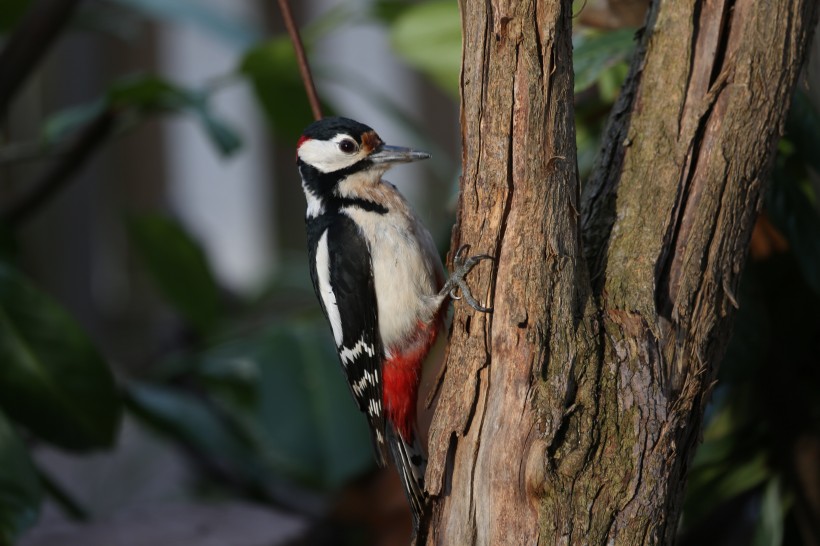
[
  {"x": 89, "y": 139},
  {"x": 518, "y": 201},
  {"x": 570, "y": 415},
  {"x": 301, "y": 58},
  {"x": 40, "y": 26}
]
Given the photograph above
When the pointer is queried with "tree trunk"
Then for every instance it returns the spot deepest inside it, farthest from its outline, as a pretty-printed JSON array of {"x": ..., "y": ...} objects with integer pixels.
[{"x": 569, "y": 415}]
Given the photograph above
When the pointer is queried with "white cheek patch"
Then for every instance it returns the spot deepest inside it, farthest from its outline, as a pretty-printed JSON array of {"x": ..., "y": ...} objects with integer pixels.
[{"x": 326, "y": 156}]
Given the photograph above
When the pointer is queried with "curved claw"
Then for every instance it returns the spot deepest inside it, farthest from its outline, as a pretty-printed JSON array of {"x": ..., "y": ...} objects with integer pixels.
[
  {"x": 463, "y": 266},
  {"x": 460, "y": 252},
  {"x": 479, "y": 257},
  {"x": 471, "y": 301}
]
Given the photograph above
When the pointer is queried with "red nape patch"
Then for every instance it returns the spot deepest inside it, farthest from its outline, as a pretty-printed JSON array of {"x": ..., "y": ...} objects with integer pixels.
[
  {"x": 302, "y": 140},
  {"x": 400, "y": 380}
]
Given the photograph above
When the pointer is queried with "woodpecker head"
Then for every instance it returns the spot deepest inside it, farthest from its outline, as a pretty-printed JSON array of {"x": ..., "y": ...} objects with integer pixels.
[{"x": 332, "y": 149}]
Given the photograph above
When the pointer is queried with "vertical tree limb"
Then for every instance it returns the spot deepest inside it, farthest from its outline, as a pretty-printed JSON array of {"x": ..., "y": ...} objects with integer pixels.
[
  {"x": 518, "y": 202},
  {"x": 569, "y": 416},
  {"x": 668, "y": 214}
]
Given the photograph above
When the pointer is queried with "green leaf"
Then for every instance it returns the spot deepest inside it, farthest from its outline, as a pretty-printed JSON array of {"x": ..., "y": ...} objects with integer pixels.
[
  {"x": 723, "y": 466},
  {"x": 769, "y": 531},
  {"x": 301, "y": 407},
  {"x": 198, "y": 422},
  {"x": 803, "y": 130},
  {"x": 750, "y": 344},
  {"x": 595, "y": 53},
  {"x": 428, "y": 37},
  {"x": 186, "y": 417},
  {"x": 145, "y": 96},
  {"x": 227, "y": 27},
  {"x": 441, "y": 164},
  {"x": 9, "y": 246},
  {"x": 10, "y": 13},
  {"x": 155, "y": 95},
  {"x": 226, "y": 140},
  {"x": 148, "y": 92},
  {"x": 792, "y": 212},
  {"x": 52, "y": 379},
  {"x": 20, "y": 490},
  {"x": 388, "y": 11},
  {"x": 179, "y": 268},
  {"x": 274, "y": 74},
  {"x": 63, "y": 123}
]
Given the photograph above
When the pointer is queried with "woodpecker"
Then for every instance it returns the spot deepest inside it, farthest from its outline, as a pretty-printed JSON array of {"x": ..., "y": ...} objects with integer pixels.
[{"x": 379, "y": 281}]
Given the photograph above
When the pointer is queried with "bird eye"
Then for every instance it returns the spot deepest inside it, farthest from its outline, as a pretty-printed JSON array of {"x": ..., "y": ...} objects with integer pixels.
[{"x": 348, "y": 146}]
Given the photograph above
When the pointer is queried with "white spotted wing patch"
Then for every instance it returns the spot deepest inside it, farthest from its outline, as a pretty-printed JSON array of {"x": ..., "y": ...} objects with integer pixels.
[
  {"x": 343, "y": 280},
  {"x": 375, "y": 407},
  {"x": 349, "y": 355},
  {"x": 368, "y": 380}
]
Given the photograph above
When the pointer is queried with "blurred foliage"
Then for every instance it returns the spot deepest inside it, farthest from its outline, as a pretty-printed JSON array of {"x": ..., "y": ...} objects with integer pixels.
[
  {"x": 53, "y": 381},
  {"x": 595, "y": 53},
  {"x": 54, "y": 385},
  {"x": 179, "y": 268},
  {"x": 276, "y": 406},
  {"x": 20, "y": 490},
  {"x": 10, "y": 13},
  {"x": 215, "y": 21},
  {"x": 428, "y": 37},
  {"x": 136, "y": 98},
  {"x": 264, "y": 411},
  {"x": 261, "y": 411},
  {"x": 744, "y": 479},
  {"x": 272, "y": 69},
  {"x": 600, "y": 62}
]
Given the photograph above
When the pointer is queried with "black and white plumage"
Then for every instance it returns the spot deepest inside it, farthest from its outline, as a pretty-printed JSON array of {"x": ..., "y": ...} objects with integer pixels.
[
  {"x": 343, "y": 280},
  {"x": 379, "y": 280}
]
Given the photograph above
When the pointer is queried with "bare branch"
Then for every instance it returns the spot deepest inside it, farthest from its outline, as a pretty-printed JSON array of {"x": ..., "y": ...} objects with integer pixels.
[
  {"x": 301, "y": 58},
  {"x": 34, "y": 35},
  {"x": 61, "y": 170}
]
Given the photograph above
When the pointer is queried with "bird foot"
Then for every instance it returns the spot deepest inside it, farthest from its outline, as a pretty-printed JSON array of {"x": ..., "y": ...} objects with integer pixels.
[{"x": 457, "y": 281}]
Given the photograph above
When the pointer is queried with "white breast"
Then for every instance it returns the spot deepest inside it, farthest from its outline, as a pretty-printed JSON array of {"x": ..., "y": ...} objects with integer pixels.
[{"x": 406, "y": 270}]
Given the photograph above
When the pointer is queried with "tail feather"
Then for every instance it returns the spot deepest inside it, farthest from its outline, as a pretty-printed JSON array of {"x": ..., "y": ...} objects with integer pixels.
[
  {"x": 379, "y": 447},
  {"x": 411, "y": 463}
]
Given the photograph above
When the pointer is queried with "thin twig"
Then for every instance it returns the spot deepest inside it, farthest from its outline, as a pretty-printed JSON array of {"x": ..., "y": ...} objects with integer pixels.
[
  {"x": 90, "y": 138},
  {"x": 301, "y": 58},
  {"x": 32, "y": 37}
]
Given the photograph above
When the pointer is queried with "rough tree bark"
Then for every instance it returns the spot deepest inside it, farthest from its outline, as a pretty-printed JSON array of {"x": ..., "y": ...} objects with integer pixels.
[{"x": 569, "y": 415}]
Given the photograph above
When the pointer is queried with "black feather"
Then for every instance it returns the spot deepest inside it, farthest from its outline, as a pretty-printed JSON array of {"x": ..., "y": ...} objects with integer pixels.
[
  {"x": 411, "y": 463},
  {"x": 351, "y": 277}
]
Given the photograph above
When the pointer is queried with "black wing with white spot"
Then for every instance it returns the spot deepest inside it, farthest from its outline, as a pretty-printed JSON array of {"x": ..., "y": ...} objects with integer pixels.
[{"x": 343, "y": 279}]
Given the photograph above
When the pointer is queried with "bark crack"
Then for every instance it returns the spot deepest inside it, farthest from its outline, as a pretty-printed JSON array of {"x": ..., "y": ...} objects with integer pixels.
[
  {"x": 696, "y": 15},
  {"x": 690, "y": 186},
  {"x": 477, "y": 447}
]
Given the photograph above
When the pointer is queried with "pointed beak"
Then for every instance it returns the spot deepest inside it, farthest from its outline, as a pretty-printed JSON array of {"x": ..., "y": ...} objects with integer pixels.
[{"x": 396, "y": 154}]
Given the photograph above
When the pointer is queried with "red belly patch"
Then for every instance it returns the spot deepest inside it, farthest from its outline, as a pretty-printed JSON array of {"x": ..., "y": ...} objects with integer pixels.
[{"x": 401, "y": 374}]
